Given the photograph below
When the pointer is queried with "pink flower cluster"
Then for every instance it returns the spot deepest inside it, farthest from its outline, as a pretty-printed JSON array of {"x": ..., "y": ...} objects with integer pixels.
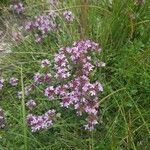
[
  {"x": 79, "y": 93},
  {"x": 78, "y": 56},
  {"x": 41, "y": 122},
  {"x": 2, "y": 119},
  {"x": 18, "y": 8},
  {"x": 46, "y": 23},
  {"x": 43, "y": 24},
  {"x": 69, "y": 83}
]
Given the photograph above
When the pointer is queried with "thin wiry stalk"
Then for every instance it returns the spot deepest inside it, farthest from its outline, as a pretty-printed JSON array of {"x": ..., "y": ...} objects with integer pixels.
[
  {"x": 137, "y": 108},
  {"x": 146, "y": 125},
  {"x": 24, "y": 112},
  {"x": 102, "y": 100},
  {"x": 128, "y": 129},
  {"x": 83, "y": 18}
]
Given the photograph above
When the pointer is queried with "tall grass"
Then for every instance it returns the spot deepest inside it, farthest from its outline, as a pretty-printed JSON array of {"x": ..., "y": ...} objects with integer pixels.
[{"x": 122, "y": 28}]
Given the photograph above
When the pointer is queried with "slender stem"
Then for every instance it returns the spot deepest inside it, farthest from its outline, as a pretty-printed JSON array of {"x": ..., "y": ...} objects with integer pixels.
[
  {"x": 23, "y": 112},
  {"x": 111, "y": 95},
  {"x": 83, "y": 18},
  {"x": 91, "y": 144}
]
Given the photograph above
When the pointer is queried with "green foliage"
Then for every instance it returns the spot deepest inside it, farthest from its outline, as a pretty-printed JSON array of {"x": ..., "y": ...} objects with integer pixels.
[{"x": 122, "y": 28}]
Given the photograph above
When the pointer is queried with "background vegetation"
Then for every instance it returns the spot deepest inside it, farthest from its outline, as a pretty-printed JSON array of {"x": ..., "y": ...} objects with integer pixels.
[{"x": 122, "y": 29}]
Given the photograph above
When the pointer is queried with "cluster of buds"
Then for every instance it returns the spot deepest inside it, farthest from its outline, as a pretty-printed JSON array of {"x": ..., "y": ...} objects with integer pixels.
[
  {"x": 17, "y": 8},
  {"x": 41, "y": 122},
  {"x": 2, "y": 119},
  {"x": 1, "y": 83}
]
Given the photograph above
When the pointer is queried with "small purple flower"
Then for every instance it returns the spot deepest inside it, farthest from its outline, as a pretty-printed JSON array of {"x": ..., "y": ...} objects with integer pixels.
[
  {"x": 68, "y": 15},
  {"x": 38, "y": 78},
  {"x": 92, "y": 121},
  {"x": 29, "y": 25},
  {"x": 141, "y": 2},
  {"x": 53, "y": 2},
  {"x": 53, "y": 14},
  {"x": 88, "y": 67},
  {"x": 45, "y": 63},
  {"x": 89, "y": 127},
  {"x": 100, "y": 64},
  {"x": 16, "y": 35},
  {"x": 42, "y": 24},
  {"x": 38, "y": 38},
  {"x": 49, "y": 92},
  {"x": 65, "y": 102},
  {"x": 31, "y": 104},
  {"x": 47, "y": 78},
  {"x": 2, "y": 119},
  {"x": 61, "y": 66},
  {"x": 19, "y": 94},
  {"x": 13, "y": 81},
  {"x": 29, "y": 89},
  {"x": 1, "y": 83}
]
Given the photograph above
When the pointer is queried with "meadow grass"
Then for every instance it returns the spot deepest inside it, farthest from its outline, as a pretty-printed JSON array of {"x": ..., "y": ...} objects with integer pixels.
[{"x": 122, "y": 29}]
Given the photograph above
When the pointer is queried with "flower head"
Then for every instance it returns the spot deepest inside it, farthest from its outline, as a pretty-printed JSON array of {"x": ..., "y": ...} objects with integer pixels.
[
  {"x": 31, "y": 104},
  {"x": 38, "y": 78},
  {"x": 68, "y": 15},
  {"x": 13, "y": 81},
  {"x": 45, "y": 63},
  {"x": 49, "y": 92},
  {"x": 2, "y": 119},
  {"x": 1, "y": 83}
]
